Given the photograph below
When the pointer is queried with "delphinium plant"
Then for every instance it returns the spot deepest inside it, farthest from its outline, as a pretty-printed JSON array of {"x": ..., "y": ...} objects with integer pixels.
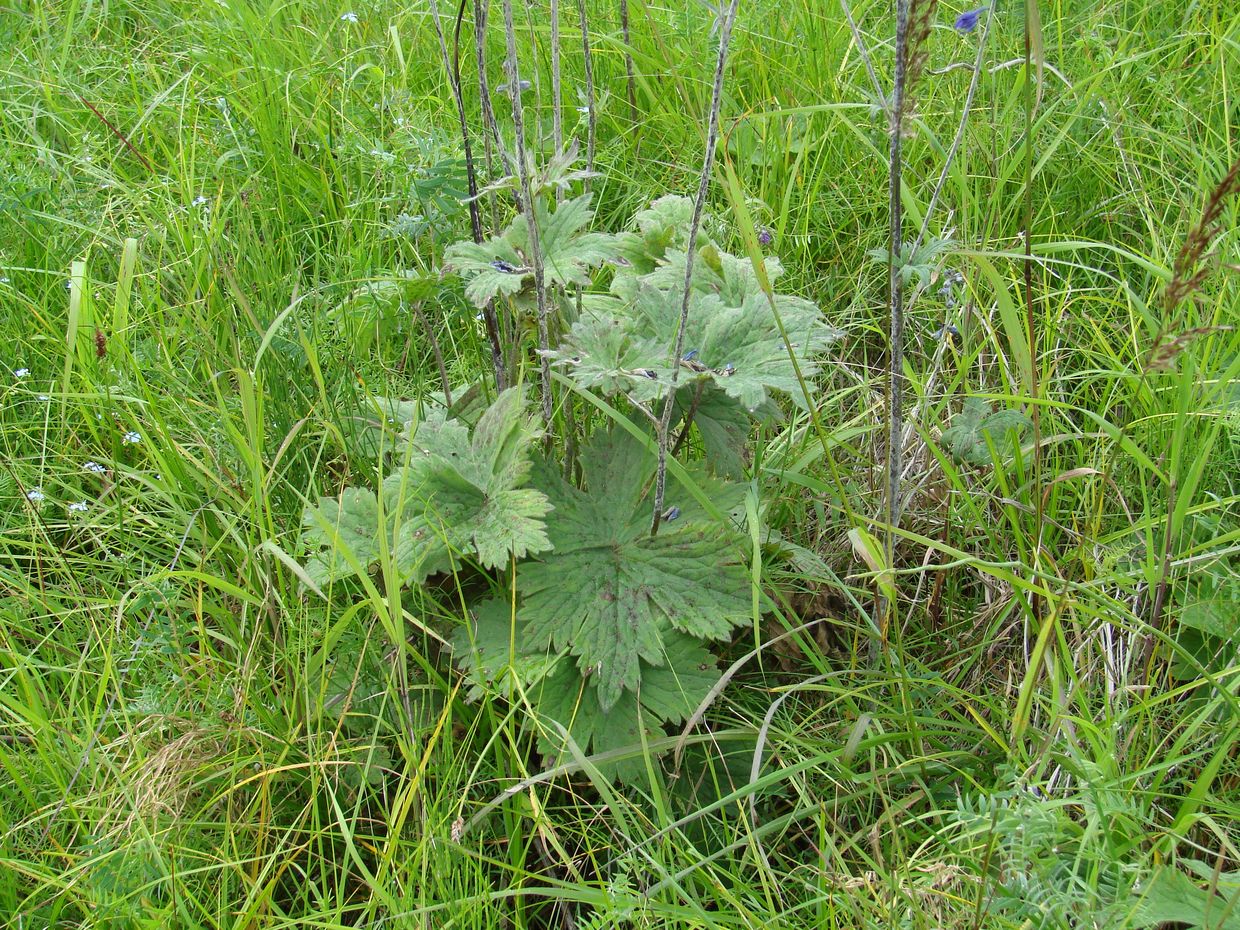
[{"x": 609, "y": 630}]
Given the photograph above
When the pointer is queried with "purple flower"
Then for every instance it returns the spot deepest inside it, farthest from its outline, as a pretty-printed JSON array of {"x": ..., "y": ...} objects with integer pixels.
[
  {"x": 967, "y": 22},
  {"x": 765, "y": 237}
]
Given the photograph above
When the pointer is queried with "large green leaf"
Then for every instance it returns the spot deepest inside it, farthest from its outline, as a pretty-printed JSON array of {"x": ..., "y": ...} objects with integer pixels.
[
  {"x": 568, "y": 251},
  {"x": 723, "y": 426},
  {"x": 729, "y": 277},
  {"x": 966, "y": 439},
  {"x": 661, "y": 227},
  {"x": 489, "y": 268},
  {"x": 738, "y": 348},
  {"x": 502, "y": 265},
  {"x": 466, "y": 491},
  {"x": 342, "y": 535},
  {"x": 452, "y": 493},
  {"x": 493, "y": 658},
  {"x": 670, "y": 691},
  {"x": 609, "y": 588},
  {"x": 1172, "y": 897}
]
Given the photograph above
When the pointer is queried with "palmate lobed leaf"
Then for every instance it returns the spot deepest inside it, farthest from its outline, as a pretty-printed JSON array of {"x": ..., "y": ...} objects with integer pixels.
[
  {"x": 488, "y": 653},
  {"x": 469, "y": 487},
  {"x": 737, "y": 348},
  {"x": 662, "y": 226},
  {"x": 501, "y": 266},
  {"x": 608, "y": 589},
  {"x": 563, "y": 701},
  {"x": 723, "y": 425},
  {"x": 569, "y": 253},
  {"x": 342, "y": 535},
  {"x": 729, "y": 277},
  {"x": 458, "y": 493},
  {"x": 966, "y": 439},
  {"x": 490, "y": 269},
  {"x": 670, "y": 691}
]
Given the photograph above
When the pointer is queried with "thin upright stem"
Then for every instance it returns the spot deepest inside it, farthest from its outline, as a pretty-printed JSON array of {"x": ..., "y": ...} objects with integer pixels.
[
  {"x": 895, "y": 373},
  {"x": 1035, "y": 412},
  {"x": 960, "y": 128},
  {"x": 864, "y": 52},
  {"x": 591, "y": 116},
  {"x": 557, "y": 97},
  {"x": 699, "y": 205},
  {"x": 631, "y": 83},
  {"x": 452, "y": 66},
  {"x": 895, "y": 277},
  {"x": 527, "y": 205}
]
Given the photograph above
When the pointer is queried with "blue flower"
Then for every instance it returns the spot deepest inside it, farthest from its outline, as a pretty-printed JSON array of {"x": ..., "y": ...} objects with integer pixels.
[
  {"x": 764, "y": 236},
  {"x": 967, "y": 22}
]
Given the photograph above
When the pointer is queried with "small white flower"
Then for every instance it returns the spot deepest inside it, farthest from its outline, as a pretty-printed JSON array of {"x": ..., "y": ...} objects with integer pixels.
[
  {"x": 349, "y": 17},
  {"x": 69, "y": 284},
  {"x": 200, "y": 201},
  {"x": 20, "y": 372},
  {"x": 585, "y": 110},
  {"x": 131, "y": 438},
  {"x": 4, "y": 279},
  {"x": 34, "y": 495},
  {"x": 79, "y": 507},
  {"x": 94, "y": 467},
  {"x": 44, "y": 398}
]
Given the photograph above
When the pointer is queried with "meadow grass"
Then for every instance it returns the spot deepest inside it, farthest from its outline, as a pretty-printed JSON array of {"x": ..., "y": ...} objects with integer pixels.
[{"x": 213, "y": 219}]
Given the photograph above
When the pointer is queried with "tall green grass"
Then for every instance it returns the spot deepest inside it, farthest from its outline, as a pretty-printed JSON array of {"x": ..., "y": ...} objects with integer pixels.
[{"x": 189, "y": 738}]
